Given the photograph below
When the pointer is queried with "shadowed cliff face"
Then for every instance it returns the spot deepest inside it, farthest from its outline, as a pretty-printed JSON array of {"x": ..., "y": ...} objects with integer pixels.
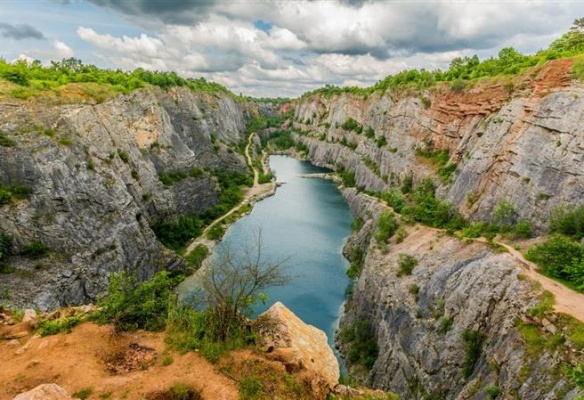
[
  {"x": 518, "y": 140},
  {"x": 94, "y": 174}
]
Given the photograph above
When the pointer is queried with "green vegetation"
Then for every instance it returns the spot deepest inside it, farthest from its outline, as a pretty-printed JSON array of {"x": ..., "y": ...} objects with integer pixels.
[
  {"x": 473, "y": 342},
  {"x": 561, "y": 258},
  {"x": 278, "y": 140},
  {"x": 424, "y": 207},
  {"x": 34, "y": 249},
  {"x": 130, "y": 305},
  {"x": 63, "y": 325},
  {"x": 196, "y": 257},
  {"x": 170, "y": 178},
  {"x": 351, "y": 125},
  {"x": 175, "y": 233},
  {"x": 347, "y": 177},
  {"x": 406, "y": 264},
  {"x": 177, "y": 391},
  {"x": 441, "y": 159},
  {"x": 357, "y": 224},
  {"x": 387, "y": 225},
  {"x": 216, "y": 232},
  {"x": 5, "y": 250},
  {"x": 262, "y": 122},
  {"x": 83, "y": 393},
  {"x": 493, "y": 392},
  {"x": 568, "y": 220},
  {"x": 363, "y": 349},
  {"x": 5, "y": 141},
  {"x": 469, "y": 68},
  {"x": 34, "y": 79},
  {"x": 11, "y": 193}
]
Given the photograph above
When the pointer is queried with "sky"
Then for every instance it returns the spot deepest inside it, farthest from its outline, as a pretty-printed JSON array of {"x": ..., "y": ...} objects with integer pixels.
[{"x": 277, "y": 48}]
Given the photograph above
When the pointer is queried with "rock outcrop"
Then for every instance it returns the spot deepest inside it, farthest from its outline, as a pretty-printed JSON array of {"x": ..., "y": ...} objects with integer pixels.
[
  {"x": 457, "y": 289},
  {"x": 46, "y": 391},
  {"x": 297, "y": 345},
  {"x": 521, "y": 142},
  {"x": 94, "y": 174}
]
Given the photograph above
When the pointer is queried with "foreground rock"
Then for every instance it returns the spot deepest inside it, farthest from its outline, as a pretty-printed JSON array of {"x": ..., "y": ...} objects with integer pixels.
[
  {"x": 298, "y": 345},
  {"x": 47, "y": 391}
]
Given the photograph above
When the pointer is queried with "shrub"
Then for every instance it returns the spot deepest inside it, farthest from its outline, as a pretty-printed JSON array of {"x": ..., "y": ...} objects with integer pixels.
[
  {"x": 568, "y": 220},
  {"x": 130, "y": 305},
  {"x": 357, "y": 224},
  {"x": 395, "y": 199},
  {"x": 36, "y": 248},
  {"x": 5, "y": 141},
  {"x": 387, "y": 225},
  {"x": 363, "y": 348},
  {"x": 473, "y": 342},
  {"x": 558, "y": 257},
  {"x": 124, "y": 156},
  {"x": 504, "y": 216},
  {"x": 406, "y": 264},
  {"x": 196, "y": 257},
  {"x": 64, "y": 325},
  {"x": 216, "y": 232},
  {"x": 170, "y": 178},
  {"x": 83, "y": 393},
  {"x": 493, "y": 392}
]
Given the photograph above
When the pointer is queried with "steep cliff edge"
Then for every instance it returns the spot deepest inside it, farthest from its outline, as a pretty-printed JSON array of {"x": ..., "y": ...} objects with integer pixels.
[
  {"x": 465, "y": 322},
  {"x": 93, "y": 171},
  {"x": 515, "y": 139}
]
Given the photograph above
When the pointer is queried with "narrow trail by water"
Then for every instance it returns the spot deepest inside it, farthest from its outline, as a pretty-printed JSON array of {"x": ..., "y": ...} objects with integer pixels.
[{"x": 257, "y": 192}]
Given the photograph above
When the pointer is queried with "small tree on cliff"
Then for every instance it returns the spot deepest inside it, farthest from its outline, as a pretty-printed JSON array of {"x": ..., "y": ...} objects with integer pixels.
[{"x": 232, "y": 284}]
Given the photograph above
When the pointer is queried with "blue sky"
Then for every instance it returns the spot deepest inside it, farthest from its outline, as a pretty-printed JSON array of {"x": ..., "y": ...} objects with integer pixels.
[{"x": 277, "y": 47}]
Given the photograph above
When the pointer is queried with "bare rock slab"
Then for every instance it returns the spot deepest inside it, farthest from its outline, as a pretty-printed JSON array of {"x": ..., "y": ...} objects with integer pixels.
[{"x": 304, "y": 345}]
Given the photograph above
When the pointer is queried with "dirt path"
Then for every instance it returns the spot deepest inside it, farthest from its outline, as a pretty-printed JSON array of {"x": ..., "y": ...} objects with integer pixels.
[
  {"x": 77, "y": 361},
  {"x": 255, "y": 193},
  {"x": 567, "y": 300}
]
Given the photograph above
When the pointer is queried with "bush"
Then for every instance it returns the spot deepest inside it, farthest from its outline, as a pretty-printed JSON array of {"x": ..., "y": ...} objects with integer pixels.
[
  {"x": 406, "y": 264},
  {"x": 130, "y": 305},
  {"x": 216, "y": 232},
  {"x": 568, "y": 220},
  {"x": 363, "y": 348},
  {"x": 395, "y": 199},
  {"x": 5, "y": 141},
  {"x": 170, "y": 178},
  {"x": 473, "y": 342},
  {"x": 357, "y": 224},
  {"x": 13, "y": 192},
  {"x": 34, "y": 249},
  {"x": 196, "y": 257},
  {"x": 64, "y": 325},
  {"x": 559, "y": 257},
  {"x": 387, "y": 225}
]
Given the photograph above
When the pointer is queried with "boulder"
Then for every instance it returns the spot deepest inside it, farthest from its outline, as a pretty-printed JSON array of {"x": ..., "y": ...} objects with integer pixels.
[
  {"x": 47, "y": 391},
  {"x": 298, "y": 345}
]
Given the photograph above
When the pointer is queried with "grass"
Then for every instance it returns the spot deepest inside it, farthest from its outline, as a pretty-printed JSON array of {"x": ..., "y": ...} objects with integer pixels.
[
  {"x": 64, "y": 325},
  {"x": 83, "y": 393},
  {"x": 406, "y": 264}
]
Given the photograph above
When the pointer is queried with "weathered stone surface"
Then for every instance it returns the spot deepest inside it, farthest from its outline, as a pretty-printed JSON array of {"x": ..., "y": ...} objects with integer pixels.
[
  {"x": 300, "y": 346},
  {"x": 458, "y": 286},
  {"x": 94, "y": 173},
  {"x": 47, "y": 391},
  {"x": 527, "y": 148}
]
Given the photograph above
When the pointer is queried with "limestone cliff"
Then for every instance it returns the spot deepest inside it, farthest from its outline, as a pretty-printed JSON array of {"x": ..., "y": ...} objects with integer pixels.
[
  {"x": 457, "y": 289},
  {"x": 518, "y": 140},
  {"x": 94, "y": 174}
]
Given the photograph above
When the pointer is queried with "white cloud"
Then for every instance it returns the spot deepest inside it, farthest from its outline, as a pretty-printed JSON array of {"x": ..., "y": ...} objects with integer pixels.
[
  {"x": 62, "y": 50},
  {"x": 144, "y": 45}
]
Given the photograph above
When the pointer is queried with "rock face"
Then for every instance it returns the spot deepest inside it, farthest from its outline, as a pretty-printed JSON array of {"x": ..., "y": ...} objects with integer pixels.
[
  {"x": 522, "y": 143},
  {"x": 419, "y": 321},
  {"x": 94, "y": 173},
  {"x": 47, "y": 391},
  {"x": 300, "y": 346},
  {"x": 519, "y": 142}
]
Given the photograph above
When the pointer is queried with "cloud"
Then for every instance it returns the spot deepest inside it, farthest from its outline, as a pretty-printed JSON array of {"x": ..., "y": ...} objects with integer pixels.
[
  {"x": 20, "y": 31},
  {"x": 285, "y": 47},
  {"x": 62, "y": 50}
]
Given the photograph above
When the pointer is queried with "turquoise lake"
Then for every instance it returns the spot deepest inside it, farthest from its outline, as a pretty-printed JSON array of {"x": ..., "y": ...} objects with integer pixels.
[{"x": 306, "y": 222}]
